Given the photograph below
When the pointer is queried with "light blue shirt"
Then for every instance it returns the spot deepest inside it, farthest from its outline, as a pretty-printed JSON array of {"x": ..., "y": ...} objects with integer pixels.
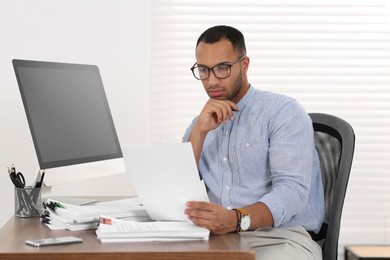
[{"x": 266, "y": 154}]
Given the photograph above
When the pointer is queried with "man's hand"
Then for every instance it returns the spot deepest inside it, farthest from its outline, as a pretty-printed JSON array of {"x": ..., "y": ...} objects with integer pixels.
[
  {"x": 212, "y": 216},
  {"x": 214, "y": 113}
]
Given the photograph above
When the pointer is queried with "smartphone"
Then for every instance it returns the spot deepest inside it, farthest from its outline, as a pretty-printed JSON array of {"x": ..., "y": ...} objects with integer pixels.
[{"x": 53, "y": 241}]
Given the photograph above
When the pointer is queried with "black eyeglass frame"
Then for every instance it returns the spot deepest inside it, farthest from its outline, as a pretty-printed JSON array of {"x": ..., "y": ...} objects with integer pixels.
[{"x": 229, "y": 66}]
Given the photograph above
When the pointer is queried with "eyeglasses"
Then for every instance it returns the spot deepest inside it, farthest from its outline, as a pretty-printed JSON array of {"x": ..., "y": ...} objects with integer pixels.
[{"x": 220, "y": 71}]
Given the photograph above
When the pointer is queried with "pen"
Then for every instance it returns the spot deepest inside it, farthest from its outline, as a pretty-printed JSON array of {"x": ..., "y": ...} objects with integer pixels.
[
  {"x": 37, "y": 189},
  {"x": 39, "y": 183}
]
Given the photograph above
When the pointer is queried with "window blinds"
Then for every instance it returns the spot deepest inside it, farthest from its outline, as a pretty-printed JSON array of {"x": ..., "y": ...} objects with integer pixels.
[{"x": 332, "y": 56}]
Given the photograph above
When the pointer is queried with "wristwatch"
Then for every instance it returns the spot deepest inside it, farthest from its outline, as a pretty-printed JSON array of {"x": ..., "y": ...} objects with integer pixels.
[{"x": 244, "y": 221}]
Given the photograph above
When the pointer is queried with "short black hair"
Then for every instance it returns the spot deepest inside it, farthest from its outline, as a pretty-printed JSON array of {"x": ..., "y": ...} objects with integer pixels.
[{"x": 221, "y": 32}]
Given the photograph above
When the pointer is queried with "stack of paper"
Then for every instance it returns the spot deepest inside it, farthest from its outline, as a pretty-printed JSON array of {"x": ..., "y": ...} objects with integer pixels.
[
  {"x": 117, "y": 230},
  {"x": 66, "y": 216}
]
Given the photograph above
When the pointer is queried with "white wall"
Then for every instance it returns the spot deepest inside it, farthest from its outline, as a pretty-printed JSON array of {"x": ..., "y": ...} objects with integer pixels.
[{"x": 111, "y": 34}]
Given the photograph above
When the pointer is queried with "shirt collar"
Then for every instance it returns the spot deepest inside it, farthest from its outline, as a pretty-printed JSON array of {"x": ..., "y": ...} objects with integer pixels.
[{"x": 245, "y": 99}]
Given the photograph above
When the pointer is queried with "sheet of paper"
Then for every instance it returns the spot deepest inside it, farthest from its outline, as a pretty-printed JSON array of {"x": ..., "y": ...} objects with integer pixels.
[
  {"x": 165, "y": 177},
  {"x": 147, "y": 239},
  {"x": 73, "y": 217},
  {"x": 118, "y": 230}
]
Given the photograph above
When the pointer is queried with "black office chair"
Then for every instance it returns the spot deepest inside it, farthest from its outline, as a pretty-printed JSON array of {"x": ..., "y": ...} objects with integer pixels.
[{"x": 335, "y": 143}]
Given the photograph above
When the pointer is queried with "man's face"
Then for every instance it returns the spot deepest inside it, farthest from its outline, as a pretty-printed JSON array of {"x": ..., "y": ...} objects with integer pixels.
[{"x": 230, "y": 88}]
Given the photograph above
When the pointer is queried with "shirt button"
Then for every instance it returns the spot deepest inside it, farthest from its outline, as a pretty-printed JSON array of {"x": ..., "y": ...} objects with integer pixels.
[
  {"x": 224, "y": 159},
  {"x": 227, "y": 187},
  {"x": 247, "y": 145},
  {"x": 229, "y": 208},
  {"x": 227, "y": 133}
]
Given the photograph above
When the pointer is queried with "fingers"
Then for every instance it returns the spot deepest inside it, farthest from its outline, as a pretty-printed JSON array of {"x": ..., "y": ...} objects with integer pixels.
[
  {"x": 200, "y": 213},
  {"x": 206, "y": 223},
  {"x": 199, "y": 205},
  {"x": 214, "y": 113},
  {"x": 226, "y": 108},
  {"x": 199, "y": 209},
  {"x": 221, "y": 109},
  {"x": 211, "y": 216}
]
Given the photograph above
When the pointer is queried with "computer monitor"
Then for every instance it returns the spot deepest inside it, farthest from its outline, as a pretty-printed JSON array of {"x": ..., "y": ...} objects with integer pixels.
[{"x": 70, "y": 120}]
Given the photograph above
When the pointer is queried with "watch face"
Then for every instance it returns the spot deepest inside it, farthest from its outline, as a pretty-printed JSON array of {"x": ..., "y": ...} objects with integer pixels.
[{"x": 245, "y": 222}]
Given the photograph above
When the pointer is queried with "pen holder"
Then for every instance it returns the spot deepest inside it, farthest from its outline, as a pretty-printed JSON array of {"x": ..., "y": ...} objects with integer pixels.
[{"x": 27, "y": 202}]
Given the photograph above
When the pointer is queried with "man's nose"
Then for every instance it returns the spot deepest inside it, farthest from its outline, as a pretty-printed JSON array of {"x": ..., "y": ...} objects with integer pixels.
[{"x": 212, "y": 79}]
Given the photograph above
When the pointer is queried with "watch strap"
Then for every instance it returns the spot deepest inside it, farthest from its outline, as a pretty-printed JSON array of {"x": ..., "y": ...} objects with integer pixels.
[
  {"x": 243, "y": 212},
  {"x": 238, "y": 214}
]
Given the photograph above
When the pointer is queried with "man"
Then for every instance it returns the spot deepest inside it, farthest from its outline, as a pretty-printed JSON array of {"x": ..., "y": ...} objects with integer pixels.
[{"x": 255, "y": 151}]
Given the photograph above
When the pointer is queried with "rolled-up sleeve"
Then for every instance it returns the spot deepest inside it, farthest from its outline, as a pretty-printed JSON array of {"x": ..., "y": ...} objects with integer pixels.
[{"x": 290, "y": 160}]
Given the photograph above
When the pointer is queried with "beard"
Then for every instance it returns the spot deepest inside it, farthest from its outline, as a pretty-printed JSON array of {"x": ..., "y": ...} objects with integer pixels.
[{"x": 237, "y": 86}]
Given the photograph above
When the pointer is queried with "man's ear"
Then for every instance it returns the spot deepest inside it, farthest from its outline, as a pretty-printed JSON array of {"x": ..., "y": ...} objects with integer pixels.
[{"x": 245, "y": 64}]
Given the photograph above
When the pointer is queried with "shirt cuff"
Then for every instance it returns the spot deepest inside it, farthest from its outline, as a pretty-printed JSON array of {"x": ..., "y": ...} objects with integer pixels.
[{"x": 277, "y": 209}]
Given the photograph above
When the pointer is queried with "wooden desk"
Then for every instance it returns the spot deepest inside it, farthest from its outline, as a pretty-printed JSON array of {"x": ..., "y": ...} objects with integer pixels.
[
  {"x": 17, "y": 230},
  {"x": 367, "y": 252}
]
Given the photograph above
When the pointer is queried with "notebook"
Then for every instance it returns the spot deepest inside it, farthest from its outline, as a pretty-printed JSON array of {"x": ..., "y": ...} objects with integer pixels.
[{"x": 165, "y": 177}]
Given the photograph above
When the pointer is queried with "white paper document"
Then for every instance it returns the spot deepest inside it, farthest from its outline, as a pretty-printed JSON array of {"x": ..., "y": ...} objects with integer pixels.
[
  {"x": 115, "y": 230},
  {"x": 73, "y": 217},
  {"x": 165, "y": 177}
]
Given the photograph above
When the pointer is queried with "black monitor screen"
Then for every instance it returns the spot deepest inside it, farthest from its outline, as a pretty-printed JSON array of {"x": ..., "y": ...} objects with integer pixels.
[{"x": 68, "y": 113}]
